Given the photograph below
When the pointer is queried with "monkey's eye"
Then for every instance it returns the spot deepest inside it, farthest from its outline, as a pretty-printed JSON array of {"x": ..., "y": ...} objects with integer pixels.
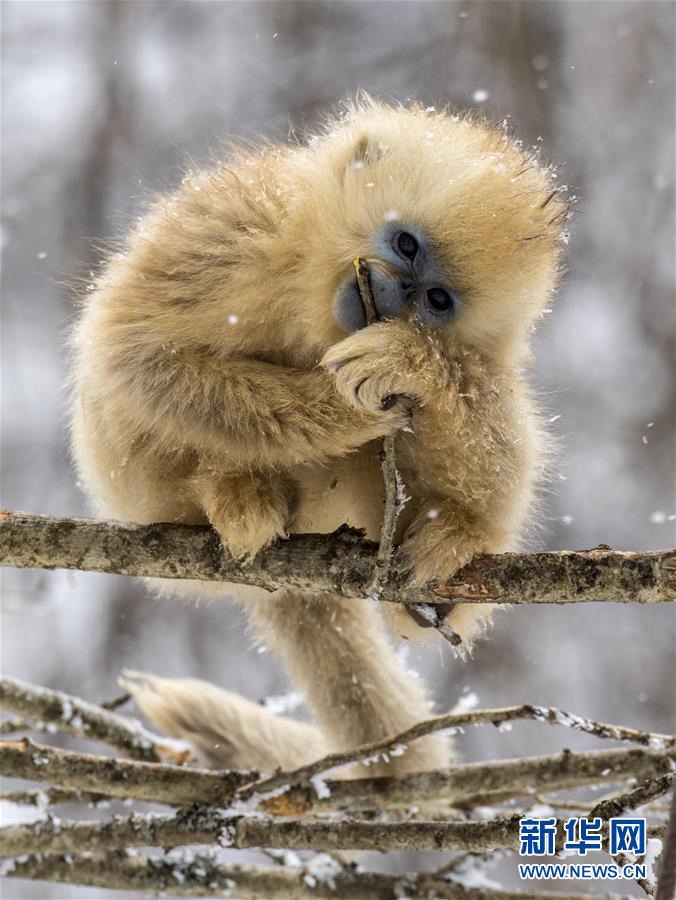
[
  {"x": 407, "y": 245},
  {"x": 439, "y": 299}
]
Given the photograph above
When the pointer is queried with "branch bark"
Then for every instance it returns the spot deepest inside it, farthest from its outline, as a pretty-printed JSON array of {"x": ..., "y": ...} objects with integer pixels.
[
  {"x": 153, "y": 782},
  {"x": 202, "y": 876},
  {"x": 477, "y": 784},
  {"x": 210, "y": 825},
  {"x": 471, "y": 784},
  {"x": 450, "y": 722},
  {"x": 340, "y": 563}
]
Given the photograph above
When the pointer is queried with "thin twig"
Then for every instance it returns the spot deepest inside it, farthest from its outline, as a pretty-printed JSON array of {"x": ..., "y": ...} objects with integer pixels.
[
  {"x": 614, "y": 807},
  {"x": 388, "y": 460},
  {"x": 16, "y": 725},
  {"x": 454, "y": 721},
  {"x": 55, "y": 796},
  {"x": 116, "y": 702},
  {"x": 666, "y": 885},
  {"x": 393, "y": 491},
  {"x": 87, "y": 720}
]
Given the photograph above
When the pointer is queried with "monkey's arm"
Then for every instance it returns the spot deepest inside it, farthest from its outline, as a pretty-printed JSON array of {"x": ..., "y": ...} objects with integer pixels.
[
  {"x": 252, "y": 412},
  {"x": 469, "y": 450}
]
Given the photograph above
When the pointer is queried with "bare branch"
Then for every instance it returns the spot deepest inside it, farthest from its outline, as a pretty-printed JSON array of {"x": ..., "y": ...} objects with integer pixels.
[
  {"x": 666, "y": 887},
  {"x": 87, "y": 720},
  {"x": 54, "y": 797},
  {"x": 614, "y": 807},
  {"x": 210, "y": 825},
  {"x": 476, "y": 784},
  {"x": 16, "y": 725},
  {"x": 340, "y": 563},
  {"x": 465, "y": 785},
  {"x": 200, "y": 875},
  {"x": 453, "y": 721},
  {"x": 154, "y": 782}
]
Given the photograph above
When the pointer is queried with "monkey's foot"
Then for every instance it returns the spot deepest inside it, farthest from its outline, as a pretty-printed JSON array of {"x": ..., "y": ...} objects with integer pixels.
[{"x": 249, "y": 512}]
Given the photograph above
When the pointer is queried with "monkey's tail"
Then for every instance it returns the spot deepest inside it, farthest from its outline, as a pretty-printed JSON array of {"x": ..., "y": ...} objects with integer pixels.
[{"x": 226, "y": 730}]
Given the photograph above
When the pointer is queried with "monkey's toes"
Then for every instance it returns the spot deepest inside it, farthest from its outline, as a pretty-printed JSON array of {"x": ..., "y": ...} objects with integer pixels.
[{"x": 246, "y": 539}]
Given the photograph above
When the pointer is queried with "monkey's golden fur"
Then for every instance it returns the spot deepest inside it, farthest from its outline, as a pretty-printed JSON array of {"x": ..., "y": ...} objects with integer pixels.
[{"x": 214, "y": 383}]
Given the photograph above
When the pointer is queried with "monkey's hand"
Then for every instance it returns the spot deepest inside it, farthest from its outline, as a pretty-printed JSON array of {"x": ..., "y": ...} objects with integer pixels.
[{"x": 387, "y": 364}]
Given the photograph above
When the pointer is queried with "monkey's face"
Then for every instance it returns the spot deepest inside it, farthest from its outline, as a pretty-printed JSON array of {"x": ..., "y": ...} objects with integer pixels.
[
  {"x": 461, "y": 229},
  {"x": 407, "y": 280}
]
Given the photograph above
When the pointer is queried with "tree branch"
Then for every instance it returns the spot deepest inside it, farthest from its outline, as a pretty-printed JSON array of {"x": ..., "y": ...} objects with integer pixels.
[
  {"x": 153, "y": 782},
  {"x": 200, "y": 875},
  {"x": 470, "y": 784},
  {"x": 476, "y": 784},
  {"x": 650, "y": 789},
  {"x": 210, "y": 825},
  {"x": 340, "y": 563},
  {"x": 450, "y": 722},
  {"x": 87, "y": 720}
]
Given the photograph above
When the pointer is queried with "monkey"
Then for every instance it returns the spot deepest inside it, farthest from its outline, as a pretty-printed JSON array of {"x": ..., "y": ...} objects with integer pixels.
[{"x": 224, "y": 373}]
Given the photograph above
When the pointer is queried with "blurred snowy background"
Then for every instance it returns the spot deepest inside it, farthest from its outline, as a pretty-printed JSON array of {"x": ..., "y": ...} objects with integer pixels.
[{"x": 101, "y": 104}]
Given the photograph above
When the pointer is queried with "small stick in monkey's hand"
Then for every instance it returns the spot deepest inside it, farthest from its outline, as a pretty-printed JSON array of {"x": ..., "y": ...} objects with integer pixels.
[{"x": 393, "y": 489}]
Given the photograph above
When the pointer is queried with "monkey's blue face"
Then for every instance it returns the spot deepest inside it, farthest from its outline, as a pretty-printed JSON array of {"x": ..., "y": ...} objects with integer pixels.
[{"x": 406, "y": 281}]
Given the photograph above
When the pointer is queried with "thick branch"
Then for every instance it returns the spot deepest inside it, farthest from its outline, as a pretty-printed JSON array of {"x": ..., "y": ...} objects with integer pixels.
[
  {"x": 209, "y": 825},
  {"x": 340, "y": 563},
  {"x": 477, "y": 783},
  {"x": 176, "y": 785},
  {"x": 201, "y": 876},
  {"x": 87, "y": 720},
  {"x": 154, "y": 782}
]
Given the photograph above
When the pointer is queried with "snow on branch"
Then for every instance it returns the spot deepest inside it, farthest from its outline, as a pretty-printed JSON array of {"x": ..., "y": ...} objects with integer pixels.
[
  {"x": 200, "y": 825},
  {"x": 301, "y": 810},
  {"x": 341, "y": 563},
  {"x": 87, "y": 778},
  {"x": 122, "y": 778},
  {"x": 453, "y": 722},
  {"x": 67, "y": 713}
]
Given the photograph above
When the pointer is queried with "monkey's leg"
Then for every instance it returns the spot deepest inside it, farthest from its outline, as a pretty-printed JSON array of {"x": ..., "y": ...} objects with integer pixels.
[
  {"x": 336, "y": 652},
  {"x": 249, "y": 510},
  {"x": 226, "y": 729}
]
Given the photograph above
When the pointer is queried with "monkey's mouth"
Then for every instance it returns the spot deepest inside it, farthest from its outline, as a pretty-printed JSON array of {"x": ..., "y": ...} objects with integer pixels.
[
  {"x": 349, "y": 308},
  {"x": 391, "y": 296}
]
